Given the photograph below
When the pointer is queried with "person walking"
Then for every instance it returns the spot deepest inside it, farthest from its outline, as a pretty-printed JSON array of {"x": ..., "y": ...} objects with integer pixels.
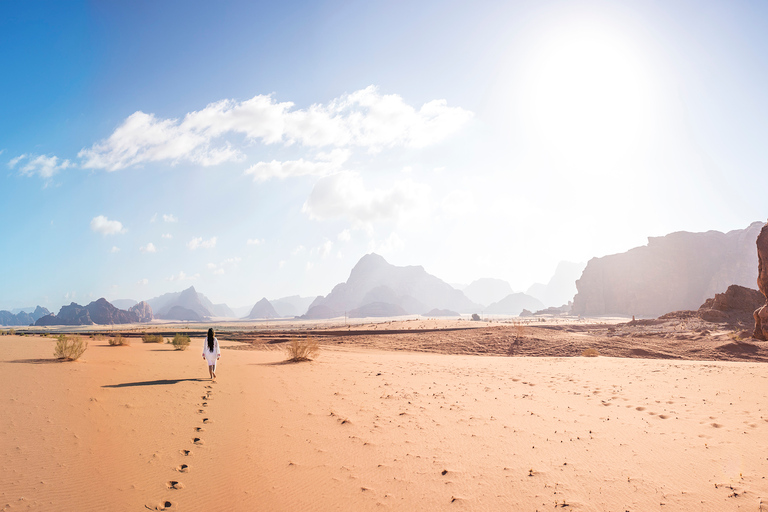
[{"x": 211, "y": 353}]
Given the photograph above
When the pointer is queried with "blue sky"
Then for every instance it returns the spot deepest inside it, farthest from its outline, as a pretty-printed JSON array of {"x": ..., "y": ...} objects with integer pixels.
[{"x": 260, "y": 149}]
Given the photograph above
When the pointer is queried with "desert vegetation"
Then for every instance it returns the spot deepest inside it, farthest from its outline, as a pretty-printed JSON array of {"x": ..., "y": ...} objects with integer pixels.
[
  {"x": 180, "y": 341},
  {"x": 119, "y": 341},
  {"x": 302, "y": 349},
  {"x": 152, "y": 338},
  {"x": 590, "y": 352},
  {"x": 69, "y": 348}
]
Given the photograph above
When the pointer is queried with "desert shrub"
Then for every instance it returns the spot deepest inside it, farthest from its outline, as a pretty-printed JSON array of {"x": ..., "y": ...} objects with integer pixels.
[
  {"x": 119, "y": 341},
  {"x": 69, "y": 347},
  {"x": 180, "y": 341},
  {"x": 152, "y": 338},
  {"x": 11, "y": 332},
  {"x": 302, "y": 349},
  {"x": 590, "y": 352},
  {"x": 475, "y": 317}
]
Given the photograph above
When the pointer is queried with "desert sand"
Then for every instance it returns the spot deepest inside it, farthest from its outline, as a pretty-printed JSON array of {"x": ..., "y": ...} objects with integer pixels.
[{"x": 362, "y": 428}]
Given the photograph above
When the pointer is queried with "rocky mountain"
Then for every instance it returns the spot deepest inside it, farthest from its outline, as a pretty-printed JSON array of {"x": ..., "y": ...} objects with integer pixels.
[
  {"x": 678, "y": 271},
  {"x": 22, "y": 317},
  {"x": 561, "y": 288},
  {"x": 487, "y": 290},
  {"x": 262, "y": 309},
  {"x": 441, "y": 312},
  {"x": 143, "y": 311},
  {"x": 374, "y": 280},
  {"x": 188, "y": 299},
  {"x": 377, "y": 309},
  {"x": 184, "y": 314},
  {"x": 514, "y": 304},
  {"x": 291, "y": 306},
  {"x": 97, "y": 312},
  {"x": 735, "y": 306}
]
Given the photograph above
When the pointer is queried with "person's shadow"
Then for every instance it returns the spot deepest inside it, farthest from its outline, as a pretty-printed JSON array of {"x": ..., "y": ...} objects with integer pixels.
[{"x": 160, "y": 382}]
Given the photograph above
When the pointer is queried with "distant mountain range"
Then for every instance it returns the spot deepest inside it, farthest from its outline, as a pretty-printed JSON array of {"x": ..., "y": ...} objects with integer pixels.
[
  {"x": 675, "y": 272},
  {"x": 22, "y": 317},
  {"x": 378, "y": 288},
  {"x": 561, "y": 288},
  {"x": 97, "y": 312}
]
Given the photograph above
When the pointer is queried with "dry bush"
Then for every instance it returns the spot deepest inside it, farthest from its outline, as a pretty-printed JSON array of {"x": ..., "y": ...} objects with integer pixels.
[
  {"x": 152, "y": 338},
  {"x": 180, "y": 341},
  {"x": 119, "y": 341},
  {"x": 11, "y": 332},
  {"x": 302, "y": 349},
  {"x": 69, "y": 347},
  {"x": 590, "y": 352}
]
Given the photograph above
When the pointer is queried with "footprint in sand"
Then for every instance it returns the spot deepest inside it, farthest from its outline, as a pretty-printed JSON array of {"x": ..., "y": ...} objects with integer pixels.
[
  {"x": 165, "y": 505},
  {"x": 173, "y": 484},
  {"x": 199, "y": 429},
  {"x": 182, "y": 468},
  {"x": 198, "y": 441},
  {"x": 185, "y": 453},
  {"x": 206, "y": 421},
  {"x": 639, "y": 408}
]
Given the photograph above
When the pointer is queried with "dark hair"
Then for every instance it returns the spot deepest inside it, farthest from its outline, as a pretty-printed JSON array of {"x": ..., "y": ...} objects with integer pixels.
[{"x": 210, "y": 339}]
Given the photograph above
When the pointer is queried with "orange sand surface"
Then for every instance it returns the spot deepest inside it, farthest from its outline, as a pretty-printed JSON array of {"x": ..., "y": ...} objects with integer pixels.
[{"x": 141, "y": 427}]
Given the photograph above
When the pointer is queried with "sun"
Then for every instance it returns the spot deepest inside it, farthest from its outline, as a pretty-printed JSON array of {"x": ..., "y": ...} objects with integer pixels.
[{"x": 587, "y": 94}]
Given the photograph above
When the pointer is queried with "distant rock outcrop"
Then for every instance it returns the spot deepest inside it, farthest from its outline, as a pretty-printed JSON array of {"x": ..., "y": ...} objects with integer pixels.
[
  {"x": 74, "y": 314},
  {"x": 487, "y": 290},
  {"x": 22, "y": 317},
  {"x": 734, "y": 306},
  {"x": 760, "y": 315},
  {"x": 678, "y": 271},
  {"x": 377, "y": 309},
  {"x": 143, "y": 311},
  {"x": 374, "y": 280},
  {"x": 561, "y": 288},
  {"x": 262, "y": 309},
  {"x": 104, "y": 313},
  {"x": 187, "y": 299},
  {"x": 184, "y": 314},
  {"x": 291, "y": 306},
  {"x": 514, "y": 304},
  {"x": 97, "y": 312}
]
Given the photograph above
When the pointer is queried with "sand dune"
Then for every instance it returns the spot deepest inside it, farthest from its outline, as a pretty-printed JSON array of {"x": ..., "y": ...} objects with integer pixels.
[{"x": 131, "y": 428}]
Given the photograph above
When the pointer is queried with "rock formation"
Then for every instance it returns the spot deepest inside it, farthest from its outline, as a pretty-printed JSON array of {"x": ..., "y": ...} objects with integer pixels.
[
  {"x": 514, "y": 304},
  {"x": 187, "y": 299},
  {"x": 441, "y": 312},
  {"x": 374, "y": 280},
  {"x": 561, "y": 288},
  {"x": 184, "y": 314},
  {"x": 22, "y": 317},
  {"x": 761, "y": 315},
  {"x": 487, "y": 290},
  {"x": 678, "y": 271},
  {"x": 262, "y": 309},
  {"x": 734, "y": 307},
  {"x": 377, "y": 309},
  {"x": 97, "y": 312},
  {"x": 143, "y": 311}
]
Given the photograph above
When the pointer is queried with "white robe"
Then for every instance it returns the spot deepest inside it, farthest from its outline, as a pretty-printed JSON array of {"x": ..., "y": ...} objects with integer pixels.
[{"x": 211, "y": 356}]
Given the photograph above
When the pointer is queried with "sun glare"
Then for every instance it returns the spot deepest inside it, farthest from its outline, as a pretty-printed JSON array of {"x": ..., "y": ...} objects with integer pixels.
[{"x": 588, "y": 95}]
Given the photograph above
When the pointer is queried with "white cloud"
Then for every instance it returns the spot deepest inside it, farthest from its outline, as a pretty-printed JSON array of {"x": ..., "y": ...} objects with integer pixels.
[
  {"x": 254, "y": 241},
  {"x": 169, "y": 218},
  {"x": 323, "y": 250},
  {"x": 219, "y": 271},
  {"x": 167, "y": 235},
  {"x": 103, "y": 225},
  {"x": 115, "y": 249},
  {"x": 43, "y": 166},
  {"x": 211, "y": 266},
  {"x": 142, "y": 282},
  {"x": 324, "y": 164},
  {"x": 298, "y": 250},
  {"x": 344, "y": 236},
  {"x": 343, "y": 195},
  {"x": 200, "y": 243},
  {"x": 149, "y": 248},
  {"x": 181, "y": 276},
  {"x": 364, "y": 118}
]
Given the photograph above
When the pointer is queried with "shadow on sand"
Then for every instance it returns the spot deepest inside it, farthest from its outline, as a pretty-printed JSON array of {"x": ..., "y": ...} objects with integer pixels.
[
  {"x": 160, "y": 382},
  {"x": 39, "y": 361}
]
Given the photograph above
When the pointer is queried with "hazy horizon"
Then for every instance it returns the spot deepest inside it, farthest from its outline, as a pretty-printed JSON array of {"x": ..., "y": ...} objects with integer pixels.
[{"x": 257, "y": 150}]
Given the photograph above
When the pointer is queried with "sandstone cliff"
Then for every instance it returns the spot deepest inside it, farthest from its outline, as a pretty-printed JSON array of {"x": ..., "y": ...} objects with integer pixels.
[
  {"x": 760, "y": 315},
  {"x": 674, "y": 272}
]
